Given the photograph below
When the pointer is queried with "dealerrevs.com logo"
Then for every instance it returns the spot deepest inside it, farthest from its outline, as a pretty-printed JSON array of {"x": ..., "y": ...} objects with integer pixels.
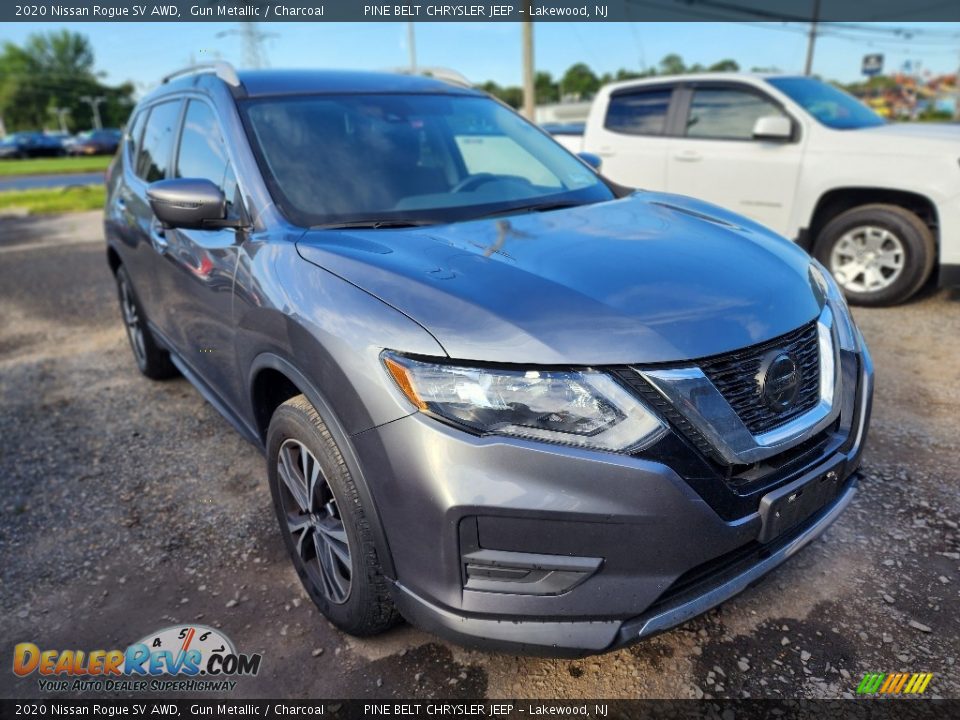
[{"x": 180, "y": 658}]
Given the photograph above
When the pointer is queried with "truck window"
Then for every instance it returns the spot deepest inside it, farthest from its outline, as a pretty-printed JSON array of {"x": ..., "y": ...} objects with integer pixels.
[
  {"x": 726, "y": 113},
  {"x": 638, "y": 113}
]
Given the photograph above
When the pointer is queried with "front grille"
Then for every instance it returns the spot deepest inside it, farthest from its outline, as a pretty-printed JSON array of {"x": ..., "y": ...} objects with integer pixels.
[{"x": 736, "y": 376}]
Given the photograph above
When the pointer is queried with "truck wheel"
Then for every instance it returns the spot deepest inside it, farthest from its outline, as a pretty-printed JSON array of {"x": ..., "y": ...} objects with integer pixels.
[
  {"x": 324, "y": 524},
  {"x": 152, "y": 360},
  {"x": 879, "y": 254}
]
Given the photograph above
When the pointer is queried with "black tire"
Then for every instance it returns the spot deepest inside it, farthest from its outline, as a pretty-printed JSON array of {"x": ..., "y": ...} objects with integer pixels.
[
  {"x": 367, "y": 608},
  {"x": 152, "y": 360},
  {"x": 913, "y": 235}
]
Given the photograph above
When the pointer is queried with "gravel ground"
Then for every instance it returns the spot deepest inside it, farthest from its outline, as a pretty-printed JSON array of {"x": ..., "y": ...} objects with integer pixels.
[{"x": 128, "y": 505}]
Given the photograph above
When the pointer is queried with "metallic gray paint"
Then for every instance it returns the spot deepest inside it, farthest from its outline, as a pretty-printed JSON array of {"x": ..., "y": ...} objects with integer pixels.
[{"x": 646, "y": 279}]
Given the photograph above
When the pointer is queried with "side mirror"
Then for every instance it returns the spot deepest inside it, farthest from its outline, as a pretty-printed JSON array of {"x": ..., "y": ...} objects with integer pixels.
[
  {"x": 773, "y": 127},
  {"x": 594, "y": 161},
  {"x": 188, "y": 203}
]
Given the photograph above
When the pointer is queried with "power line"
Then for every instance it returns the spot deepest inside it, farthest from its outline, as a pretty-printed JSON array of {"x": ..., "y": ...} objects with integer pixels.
[{"x": 254, "y": 56}]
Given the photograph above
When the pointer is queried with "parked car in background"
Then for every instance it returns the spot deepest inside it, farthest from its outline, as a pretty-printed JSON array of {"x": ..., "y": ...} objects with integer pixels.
[
  {"x": 877, "y": 203},
  {"x": 30, "y": 144},
  {"x": 96, "y": 142},
  {"x": 520, "y": 405},
  {"x": 63, "y": 139}
]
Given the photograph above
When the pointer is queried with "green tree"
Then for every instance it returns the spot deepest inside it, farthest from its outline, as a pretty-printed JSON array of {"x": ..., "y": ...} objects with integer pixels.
[
  {"x": 55, "y": 70},
  {"x": 672, "y": 64},
  {"x": 546, "y": 90},
  {"x": 580, "y": 80},
  {"x": 725, "y": 65},
  {"x": 512, "y": 96}
]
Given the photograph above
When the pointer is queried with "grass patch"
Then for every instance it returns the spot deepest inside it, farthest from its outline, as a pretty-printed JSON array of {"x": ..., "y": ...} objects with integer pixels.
[
  {"x": 54, "y": 200},
  {"x": 54, "y": 166}
]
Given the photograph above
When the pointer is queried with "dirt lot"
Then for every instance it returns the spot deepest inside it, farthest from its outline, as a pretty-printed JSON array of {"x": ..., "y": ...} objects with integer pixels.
[{"x": 128, "y": 505}]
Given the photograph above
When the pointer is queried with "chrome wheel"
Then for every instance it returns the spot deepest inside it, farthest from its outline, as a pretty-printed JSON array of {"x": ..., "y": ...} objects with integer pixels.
[
  {"x": 314, "y": 522},
  {"x": 132, "y": 321},
  {"x": 867, "y": 259}
]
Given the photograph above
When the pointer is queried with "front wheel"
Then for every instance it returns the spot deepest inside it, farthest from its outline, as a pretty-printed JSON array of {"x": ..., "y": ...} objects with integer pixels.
[
  {"x": 324, "y": 524},
  {"x": 878, "y": 254}
]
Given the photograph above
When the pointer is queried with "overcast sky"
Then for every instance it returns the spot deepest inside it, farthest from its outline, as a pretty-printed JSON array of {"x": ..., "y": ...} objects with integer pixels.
[{"x": 143, "y": 52}]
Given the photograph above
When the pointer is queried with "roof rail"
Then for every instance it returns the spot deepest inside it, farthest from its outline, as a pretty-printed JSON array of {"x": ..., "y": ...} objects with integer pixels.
[
  {"x": 438, "y": 73},
  {"x": 220, "y": 68}
]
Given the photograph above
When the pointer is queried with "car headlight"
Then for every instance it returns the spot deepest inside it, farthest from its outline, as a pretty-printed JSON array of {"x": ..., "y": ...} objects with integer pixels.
[
  {"x": 583, "y": 408},
  {"x": 847, "y": 332}
]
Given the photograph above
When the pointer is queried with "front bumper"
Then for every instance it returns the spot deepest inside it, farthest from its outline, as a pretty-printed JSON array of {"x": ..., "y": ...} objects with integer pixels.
[{"x": 650, "y": 550}]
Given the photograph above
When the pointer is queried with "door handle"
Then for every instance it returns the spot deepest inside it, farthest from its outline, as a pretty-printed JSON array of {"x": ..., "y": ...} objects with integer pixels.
[
  {"x": 688, "y": 156},
  {"x": 158, "y": 237}
]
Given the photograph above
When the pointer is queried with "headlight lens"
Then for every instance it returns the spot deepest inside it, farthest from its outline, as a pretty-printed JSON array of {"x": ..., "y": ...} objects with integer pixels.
[
  {"x": 587, "y": 409},
  {"x": 846, "y": 331}
]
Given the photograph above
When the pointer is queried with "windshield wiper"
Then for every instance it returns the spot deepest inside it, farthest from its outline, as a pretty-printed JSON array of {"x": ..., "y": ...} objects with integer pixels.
[
  {"x": 541, "y": 207},
  {"x": 373, "y": 224}
]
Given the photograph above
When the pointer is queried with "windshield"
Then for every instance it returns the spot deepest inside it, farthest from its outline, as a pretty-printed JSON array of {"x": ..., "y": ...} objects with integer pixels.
[
  {"x": 829, "y": 105},
  {"x": 422, "y": 158}
]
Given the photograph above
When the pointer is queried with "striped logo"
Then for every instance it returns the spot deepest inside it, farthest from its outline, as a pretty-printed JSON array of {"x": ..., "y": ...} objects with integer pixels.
[{"x": 894, "y": 683}]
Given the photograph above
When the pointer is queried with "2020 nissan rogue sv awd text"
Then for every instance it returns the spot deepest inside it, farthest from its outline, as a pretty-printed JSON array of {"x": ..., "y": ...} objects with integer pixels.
[{"x": 499, "y": 396}]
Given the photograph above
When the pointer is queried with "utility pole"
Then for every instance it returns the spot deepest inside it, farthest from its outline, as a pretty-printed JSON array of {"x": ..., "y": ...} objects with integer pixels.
[
  {"x": 61, "y": 113},
  {"x": 412, "y": 47},
  {"x": 95, "y": 102},
  {"x": 254, "y": 57},
  {"x": 529, "y": 98},
  {"x": 812, "y": 38}
]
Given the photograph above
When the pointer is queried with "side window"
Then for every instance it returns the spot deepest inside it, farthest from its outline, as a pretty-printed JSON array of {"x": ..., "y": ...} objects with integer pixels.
[
  {"x": 153, "y": 159},
  {"x": 726, "y": 113},
  {"x": 133, "y": 136},
  {"x": 639, "y": 113},
  {"x": 202, "y": 153}
]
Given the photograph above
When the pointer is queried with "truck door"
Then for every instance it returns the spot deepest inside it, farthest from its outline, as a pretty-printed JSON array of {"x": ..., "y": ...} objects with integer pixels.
[
  {"x": 627, "y": 130},
  {"x": 715, "y": 157}
]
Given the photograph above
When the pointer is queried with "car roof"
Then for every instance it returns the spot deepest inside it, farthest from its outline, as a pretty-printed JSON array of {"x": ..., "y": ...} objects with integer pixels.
[
  {"x": 263, "y": 83},
  {"x": 295, "y": 82},
  {"x": 752, "y": 78}
]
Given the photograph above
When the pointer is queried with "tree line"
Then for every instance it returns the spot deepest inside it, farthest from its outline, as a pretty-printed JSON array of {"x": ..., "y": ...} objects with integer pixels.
[
  {"x": 580, "y": 82},
  {"x": 47, "y": 78}
]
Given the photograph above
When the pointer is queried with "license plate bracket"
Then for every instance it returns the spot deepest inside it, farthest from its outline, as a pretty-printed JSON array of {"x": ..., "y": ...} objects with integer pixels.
[{"x": 790, "y": 505}]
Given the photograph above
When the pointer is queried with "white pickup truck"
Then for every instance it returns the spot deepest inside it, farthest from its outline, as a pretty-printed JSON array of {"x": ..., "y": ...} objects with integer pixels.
[{"x": 878, "y": 203}]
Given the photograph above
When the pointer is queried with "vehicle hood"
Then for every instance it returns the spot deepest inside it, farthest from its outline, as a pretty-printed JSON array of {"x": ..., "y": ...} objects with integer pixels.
[
  {"x": 645, "y": 279},
  {"x": 905, "y": 138}
]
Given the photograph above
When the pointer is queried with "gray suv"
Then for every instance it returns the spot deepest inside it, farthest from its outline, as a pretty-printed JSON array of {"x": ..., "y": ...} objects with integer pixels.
[{"x": 499, "y": 396}]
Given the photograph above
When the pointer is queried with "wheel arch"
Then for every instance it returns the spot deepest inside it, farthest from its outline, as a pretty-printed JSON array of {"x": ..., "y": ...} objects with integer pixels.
[
  {"x": 113, "y": 259},
  {"x": 272, "y": 381},
  {"x": 838, "y": 200}
]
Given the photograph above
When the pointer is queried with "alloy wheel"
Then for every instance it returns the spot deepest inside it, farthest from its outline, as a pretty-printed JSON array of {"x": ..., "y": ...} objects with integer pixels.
[
  {"x": 313, "y": 521},
  {"x": 867, "y": 259},
  {"x": 131, "y": 319}
]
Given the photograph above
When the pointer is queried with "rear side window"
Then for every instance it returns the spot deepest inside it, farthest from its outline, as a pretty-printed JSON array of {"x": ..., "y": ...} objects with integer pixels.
[
  {"x": 153, "y": 158},
  {"x": 202, "y": 153},
  {"x": 639, "y": 113},
  {"x": 134, "y": 133},
  {"x": 727, "y": 113}
]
